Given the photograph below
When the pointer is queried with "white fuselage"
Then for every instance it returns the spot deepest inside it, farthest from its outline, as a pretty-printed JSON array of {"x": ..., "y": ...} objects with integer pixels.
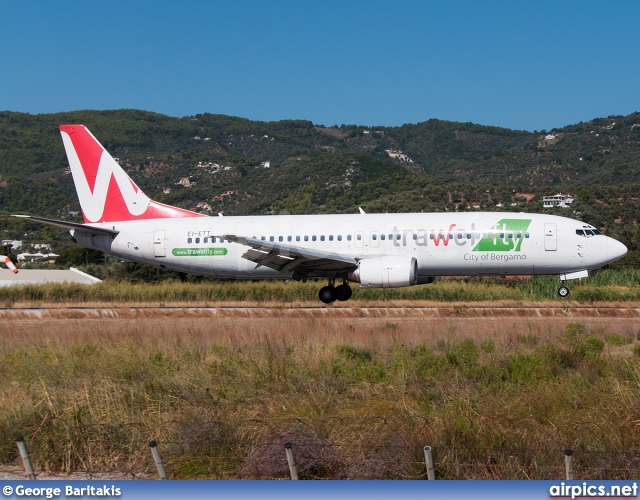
[{"x": 444, "y": 244}]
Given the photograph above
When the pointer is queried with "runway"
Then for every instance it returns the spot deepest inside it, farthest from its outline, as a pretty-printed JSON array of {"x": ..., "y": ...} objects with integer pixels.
[{"x": 320, "y": 311}]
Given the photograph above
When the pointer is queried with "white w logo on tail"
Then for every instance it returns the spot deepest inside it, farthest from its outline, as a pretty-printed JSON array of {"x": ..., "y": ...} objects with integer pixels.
[
  {"x": 101, "y": 199},
  {"x": 93, "y": 202}
]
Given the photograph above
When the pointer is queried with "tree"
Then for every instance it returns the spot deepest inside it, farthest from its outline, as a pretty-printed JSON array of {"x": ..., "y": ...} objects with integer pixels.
[
  {"x": 78, "y": 256},
  {"x": 584, "y": 194}
]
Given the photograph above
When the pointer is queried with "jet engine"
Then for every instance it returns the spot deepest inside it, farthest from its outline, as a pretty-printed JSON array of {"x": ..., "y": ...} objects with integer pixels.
[{"x": 389, "y": 271}]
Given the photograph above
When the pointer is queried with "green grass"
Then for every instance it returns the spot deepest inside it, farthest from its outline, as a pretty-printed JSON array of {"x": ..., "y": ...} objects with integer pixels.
[{"x": 357, "y": 399}]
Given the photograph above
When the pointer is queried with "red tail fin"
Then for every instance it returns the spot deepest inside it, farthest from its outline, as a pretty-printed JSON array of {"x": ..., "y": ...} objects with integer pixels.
[{"x": 106, "y": 192}]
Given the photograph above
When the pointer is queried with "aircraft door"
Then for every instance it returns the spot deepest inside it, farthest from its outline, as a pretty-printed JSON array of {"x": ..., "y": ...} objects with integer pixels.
[
  {"x": 159, "y": 243},
  {"x": 550, "y": 237}
]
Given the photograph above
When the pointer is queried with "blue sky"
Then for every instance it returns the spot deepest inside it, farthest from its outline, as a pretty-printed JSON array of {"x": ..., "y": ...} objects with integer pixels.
[{"x": 516, "y": 64}]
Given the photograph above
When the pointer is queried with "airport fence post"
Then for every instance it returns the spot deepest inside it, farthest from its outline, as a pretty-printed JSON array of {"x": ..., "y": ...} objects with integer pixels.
[
  {"x": 22, "y": 448},
  {"x": 292, "y": 464},
  {"x": 428, "y": 460},
  {"x": 158, "y": 459},
  {"x": 568, "y": 462}
]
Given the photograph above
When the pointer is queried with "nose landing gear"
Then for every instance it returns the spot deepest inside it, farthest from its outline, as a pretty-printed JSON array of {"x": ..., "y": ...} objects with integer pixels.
[
  {"x": 329, "y": 293},
  {"x": 563, "y": 290}
]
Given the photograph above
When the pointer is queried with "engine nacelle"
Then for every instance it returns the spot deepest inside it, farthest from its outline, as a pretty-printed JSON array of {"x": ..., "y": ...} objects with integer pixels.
[{"x": 389, "y": 271}]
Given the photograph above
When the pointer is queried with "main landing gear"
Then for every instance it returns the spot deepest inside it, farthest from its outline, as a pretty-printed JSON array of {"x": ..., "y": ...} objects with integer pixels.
[
  {"x": 563, "y": 290},
  {"x": 329, "y": 293}
]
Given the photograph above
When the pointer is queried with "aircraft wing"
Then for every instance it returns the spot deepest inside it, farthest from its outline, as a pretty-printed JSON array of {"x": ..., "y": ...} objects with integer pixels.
[
  {"x": 290, "y": 258},
  {"x": 83, "y": 228}
]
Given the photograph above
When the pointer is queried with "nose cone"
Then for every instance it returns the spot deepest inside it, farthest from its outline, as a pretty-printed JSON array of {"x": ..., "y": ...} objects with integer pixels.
[{"x": 615, "y": 249}]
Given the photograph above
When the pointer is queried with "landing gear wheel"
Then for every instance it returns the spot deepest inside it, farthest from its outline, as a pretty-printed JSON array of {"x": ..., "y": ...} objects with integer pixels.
[
  {"x": 563, "y": 291},
  {"x": 343, "y": 292},
  {"x": 327, "y": 294}
]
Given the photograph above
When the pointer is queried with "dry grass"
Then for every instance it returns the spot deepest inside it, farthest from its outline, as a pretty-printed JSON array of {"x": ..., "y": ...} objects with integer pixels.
[
  {"x": 611, "y": 286},
  {"x": 494, "y": 397}
]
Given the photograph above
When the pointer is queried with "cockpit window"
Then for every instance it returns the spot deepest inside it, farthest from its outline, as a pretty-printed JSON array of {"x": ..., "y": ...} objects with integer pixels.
[{"x": 588, "y": 233}]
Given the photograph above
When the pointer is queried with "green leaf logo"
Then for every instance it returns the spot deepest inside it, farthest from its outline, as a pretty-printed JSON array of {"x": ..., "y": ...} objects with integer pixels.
[{"x": 505, "y": 236}]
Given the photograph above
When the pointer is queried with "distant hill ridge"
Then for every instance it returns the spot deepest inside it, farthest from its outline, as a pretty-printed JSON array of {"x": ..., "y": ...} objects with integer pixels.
[{"x": 213, "y": 162}]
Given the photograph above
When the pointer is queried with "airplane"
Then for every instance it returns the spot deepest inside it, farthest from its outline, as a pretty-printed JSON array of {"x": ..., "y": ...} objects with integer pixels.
[{"x": 374, "y": 250}]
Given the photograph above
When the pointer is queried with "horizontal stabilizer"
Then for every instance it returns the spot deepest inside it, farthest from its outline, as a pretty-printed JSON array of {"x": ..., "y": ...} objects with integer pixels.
[{"x": 84, "y": 228}]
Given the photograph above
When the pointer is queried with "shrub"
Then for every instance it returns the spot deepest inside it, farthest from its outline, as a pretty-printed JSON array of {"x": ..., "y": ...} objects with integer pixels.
[
  {"x": 351, "y": 352},
  {"x": 488, "y": 346},
  {"x": 615, "y": 339},
  {"x": 463, "y": 355}
]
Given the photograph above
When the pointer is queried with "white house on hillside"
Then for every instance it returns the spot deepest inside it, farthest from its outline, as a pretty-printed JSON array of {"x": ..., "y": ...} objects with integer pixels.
[{"x": 558, "y": 200}]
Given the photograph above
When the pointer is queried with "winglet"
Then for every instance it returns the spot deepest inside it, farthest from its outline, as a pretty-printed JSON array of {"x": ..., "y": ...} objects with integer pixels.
[{"x": 362, "y": 211}]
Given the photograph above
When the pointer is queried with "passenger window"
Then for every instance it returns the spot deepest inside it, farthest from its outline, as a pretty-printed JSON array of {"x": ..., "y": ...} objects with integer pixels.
[
  {"x": 339, "y": 237},
  {"x": 510, "y": 236},
  {"x": 288, "y": 238},
  {"x": 271, "y": 238},
  {"x": 262, "y": 238},
  {"x": 280, "y": 238},
  {"x": 398, "y": 237},
  {"x": 526, "y": 235},
  {"x": 374, "y": 236},
  {"x": 415, "y": 236},
  {"x": 213, "y": 240},
  {"x": 518, "y": 235},
  {"x": 502, "y": 235},
  {"x": 348, "y": 237},
  {"x": 331, "y": 237},
  {"x": 206, "y": 240},
  {"x": 189, "y": 240},
  {"x": 359, "y": 237},
  {"x": 306, "y": 238},
  {"x": 322, "y": 237},
  {"x": 313, "y": 238},
  {"x": 432, "y": 236},
  {"x": 297, "y": 238},
  {"x": 382, "y": 237},
  {"x": 197, "y": 240}
]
